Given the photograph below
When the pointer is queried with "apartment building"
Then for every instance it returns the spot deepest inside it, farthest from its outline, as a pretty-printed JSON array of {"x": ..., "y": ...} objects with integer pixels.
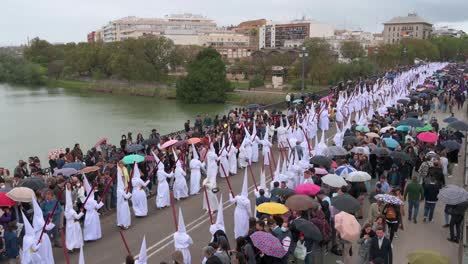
[{"x": 411, "y": 26}]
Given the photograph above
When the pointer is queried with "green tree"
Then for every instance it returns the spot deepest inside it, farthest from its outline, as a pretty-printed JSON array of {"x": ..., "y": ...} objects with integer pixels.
[
  {"x": 206, "y": 79},
  {"x": 320, "y": 61},
  {"x": 20, "y": 71},
  {"x": 352, "y": 50}
]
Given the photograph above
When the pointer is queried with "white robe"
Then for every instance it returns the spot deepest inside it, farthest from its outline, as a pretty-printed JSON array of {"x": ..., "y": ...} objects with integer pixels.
[
  {"x": 324, "y": 121},
  {"x": 212, "y": 198},
  {"x": 266, "y": 151},
  {"x": 45, "y": 250},
  {"x": 212, "y": 166},
  {"x": 124, "y": 218},
  {"x": 282, "y": 137},
  {"x": 73, "y": 232},
  {"x": 232, "y": 160},
  {"x": 162, "y": 198},
  {"x": 195, "y": 176},
  {"x": 223, "y": 164},
  {"x": 242, "y": 213},
  {"x": 254, "y": 151},
  {"x": 30, "y": 252},
  {"x": 180, "y": 183},
  {"x": 182, "y": 242},
  {"x": 139, "y": 200},
  {"x": 92, "y": 223}
]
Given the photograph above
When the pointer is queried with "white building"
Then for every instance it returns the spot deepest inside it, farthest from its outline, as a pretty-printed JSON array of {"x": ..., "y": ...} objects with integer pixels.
[
  {"x": 446, "y": 31},
  {"x": 366, "y": 39}
]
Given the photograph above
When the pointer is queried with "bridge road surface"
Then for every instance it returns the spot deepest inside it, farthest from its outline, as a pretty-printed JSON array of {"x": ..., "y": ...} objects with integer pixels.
[{"x": 158, "y": 225}]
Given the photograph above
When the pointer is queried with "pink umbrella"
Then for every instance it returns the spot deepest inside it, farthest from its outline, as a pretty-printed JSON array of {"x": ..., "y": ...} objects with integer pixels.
[
  {"x": 347, "y": 226},
  {"x": 321, "y": 171},
  {"x": 268, "y": 244},
  {"x": 428, "y": 137},
  {"x": 334, "y": 165},
  {"x": 307, "y": 189},
  {"x": 100, "y": 142},
  {"x": 168, "y": 143}
]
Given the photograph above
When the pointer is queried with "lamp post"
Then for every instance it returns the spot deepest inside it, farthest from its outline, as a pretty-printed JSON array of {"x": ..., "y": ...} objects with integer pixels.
[
  {"x": 303, "y": 55},
  {"x": 404, "y": 52}
]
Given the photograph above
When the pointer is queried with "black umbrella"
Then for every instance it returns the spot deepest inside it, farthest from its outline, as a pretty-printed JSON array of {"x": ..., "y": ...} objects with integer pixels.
[
  {"x": 412, "y": 114},
  {"x": 34, "y": 183},
  {"x": 450, "y": 119},
  {"x": 400, "y": 155},
  {"x": 380, "y": 152},
  {"x": 459, "y": 125},
  {"x": 403, "y": 101},
  {"x": 451, "y": 145},
  {"x": 321, "y": 161},
  {"x": 286, "y": 192},
  {"x": 310, "y": 230},
  {"x": 346, "y": 203},
  {"x": 134, "y": 148},
  {"x": 411, "y": 122},
  {"x": 391, "y": 109},
  {"x": 150, "y": 142},
  {"x": 350, "y": 140}
]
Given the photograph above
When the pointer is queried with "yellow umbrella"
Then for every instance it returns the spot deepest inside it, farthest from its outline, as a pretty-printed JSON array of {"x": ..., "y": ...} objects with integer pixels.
[
  {"x": 272, "y": 208},
  {"x": 427, "y": 257}
]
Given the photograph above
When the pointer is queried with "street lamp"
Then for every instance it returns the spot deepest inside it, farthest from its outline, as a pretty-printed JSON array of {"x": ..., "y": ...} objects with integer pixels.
[
  {"x": 303, "y": 55},
  {"x": 404, "y": 51}
]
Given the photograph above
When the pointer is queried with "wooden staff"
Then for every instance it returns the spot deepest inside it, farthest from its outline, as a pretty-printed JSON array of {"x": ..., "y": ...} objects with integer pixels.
[
  {"x": 106, "y": 189},
  {"x": 253, "y": 176},
  {"x": 125, "y": 243},
  {"x": 208, "y": 205},
  {"x": 50, "y": 216},
  {"x": 227, "y": 178},
  {"x": 174, "y": 215},
  {"x": 64, "y": 246},
  {"x": 131, "y": 177},
  {"x": 89, "y": 194}
]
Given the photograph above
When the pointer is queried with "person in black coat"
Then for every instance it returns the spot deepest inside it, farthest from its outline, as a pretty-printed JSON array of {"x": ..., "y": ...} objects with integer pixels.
[{"x": 382, "y": 249}]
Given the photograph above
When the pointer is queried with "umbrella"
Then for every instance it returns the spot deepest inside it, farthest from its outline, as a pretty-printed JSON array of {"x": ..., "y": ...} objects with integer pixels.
[
  {"x": 336, "y": 151},
  {"x": 346, "y": 202},
  {"x": 300, "y": 202},
  {"x": 425, "y": 128},
  {"x": 180, "y": 143},
  {"x": 334, "y": 180},
  {"x": 384, "y": 129},
  {"x": 450, "y": 119},
  {"x": 268, "y": 244},
  {"x": 459, "y": 125},
  {"x": 360, "y": 150},
  {"x": 74, "y": 165},
  {"x": 403, "y": 101},
  {"x": 150, "y": 142},
  {"x": 65, "y": 172},
  {"x": 286, "y": 192},
  {"x": 412, "y": 114},
  {"x": 297, "y": 101},
  {"x": 320, "y": 171},
  {"x": 403, "y": 128},
  {"x": 411, "y": 122},
  {"x": 451, "y": 145},
  {"x": 168, "y": 143},
  {"x": 347, "y": 226},
  {"x": 252, "y": 106},
  {"x": 272, "y": 208},
  {"x": 400, "y": 155},
  {"x": 90, "y": 169},
  {"x": 100, "y": 142},
  {"x": 363, "y": 129},
  {"x": 427, "y": 257},
  {"x": 130, "y": 159},
  {"x": 358, "y": 176},
  {"x": 391, "y": 143},
  {"x": 33, "y": 183},
  {"x": 391, "y": 109},
  {"x": 428, "y": 137},
  {"x": 452, "y": 194},
  {"x": 5, "y": 189},
  {"x": 134, "y": 148},
  {"x": 6, "y": 201},
  {"x": 372, "y": 135},
  {"x": 389, "y": 199},
  {"x": 193, "y": 140},
  {"x": 310, "y": 230},
  {"x": 320, "y": 160},
  {"x": 307, "y": 189},
  {"x": 149, "y": 158},
  {"x": 21, "y": 194},
  {"x": 344, "y": 170},
  {"x": 350, "y": 140},
  {"x": 380, "y": 152}
]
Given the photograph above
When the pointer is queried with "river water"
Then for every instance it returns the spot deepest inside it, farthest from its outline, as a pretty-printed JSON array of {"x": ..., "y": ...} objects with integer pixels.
[{"x": 36, "y": 120}]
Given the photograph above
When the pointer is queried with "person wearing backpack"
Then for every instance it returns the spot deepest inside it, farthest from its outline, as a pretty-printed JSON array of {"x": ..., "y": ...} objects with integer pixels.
[{"x": 393, "y": 218}]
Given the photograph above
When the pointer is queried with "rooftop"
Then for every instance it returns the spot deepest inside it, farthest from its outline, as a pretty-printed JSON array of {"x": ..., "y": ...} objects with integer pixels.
[{"x": 410, "y": 19}]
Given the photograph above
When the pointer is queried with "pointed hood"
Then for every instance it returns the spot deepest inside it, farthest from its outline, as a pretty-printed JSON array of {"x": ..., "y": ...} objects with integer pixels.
[
  {"x": 247, "y": 134},
  {"x": 220, "y": 215},
  {"x": 120, "y": 183},
  {"x": 245, "y": 185},
  {"x": 267, "y": 128},
  {"x": 212, "y": 149},
  {"x": 277, "y": 171},
  {"x": 38, "y": 219},
  {"x": 81, "y": 259},
  {"x": 176, "y": 158},
  {"x": 254, "y": 130},
  {"x": 284, "y": 167},
  {"x": 136, "y": 172},
  {"x": 281, "y": 121},
  {"x": 195, "y": 153},
  {"x": 156, "y": 158},
  {"x": 262, "y": 180},
  {"x": 68, "y": 200},
  {"x": 223, "y": 144},
  {"x": 181, "y": 224},
  {"x": 142, "y": 258},
  {"x": 28, "y": 229},
  {"x": 88, "y": 187}
]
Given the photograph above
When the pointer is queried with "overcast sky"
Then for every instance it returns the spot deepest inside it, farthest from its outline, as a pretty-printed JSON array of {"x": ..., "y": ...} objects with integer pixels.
[{"x": 71, "y": 20}]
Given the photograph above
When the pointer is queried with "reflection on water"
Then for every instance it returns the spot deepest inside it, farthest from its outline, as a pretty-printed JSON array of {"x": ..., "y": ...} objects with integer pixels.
[{"x": 36, "y": 120}]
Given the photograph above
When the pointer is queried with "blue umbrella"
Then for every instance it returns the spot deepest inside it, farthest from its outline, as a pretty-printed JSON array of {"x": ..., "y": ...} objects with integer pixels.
[
  {"x": 74, "y": 165},
  {"x": 344, "y": 170},
  {"x": 362, "y": 129},
  {"x": 451, "y": 145},
  {"x": 391, "y": 143},
  {"x": 450, "y": 119},
  {"x": 414, "y": 122},
  {"x": 403, "y": 128},
  {"x": 65, "y": 172},
  {"x": 297, "y": 101},
  {"x": 130, "y": 159},
  {"x": 134, "y": 148},
  {"x": 423, "y": 94}
]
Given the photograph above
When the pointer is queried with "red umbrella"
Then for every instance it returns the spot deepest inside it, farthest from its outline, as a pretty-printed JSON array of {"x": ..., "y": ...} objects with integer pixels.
[
  {"x": 428, "y": 137},
  {"x": 193, "y": 140},
  {"x": 168, "y": 143},
  {"x": 307, "y": 189},
  {"x": 6, "y": 201},
  {"x": 99, "y": 143},
  {"x": 180, "y": 143}
]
